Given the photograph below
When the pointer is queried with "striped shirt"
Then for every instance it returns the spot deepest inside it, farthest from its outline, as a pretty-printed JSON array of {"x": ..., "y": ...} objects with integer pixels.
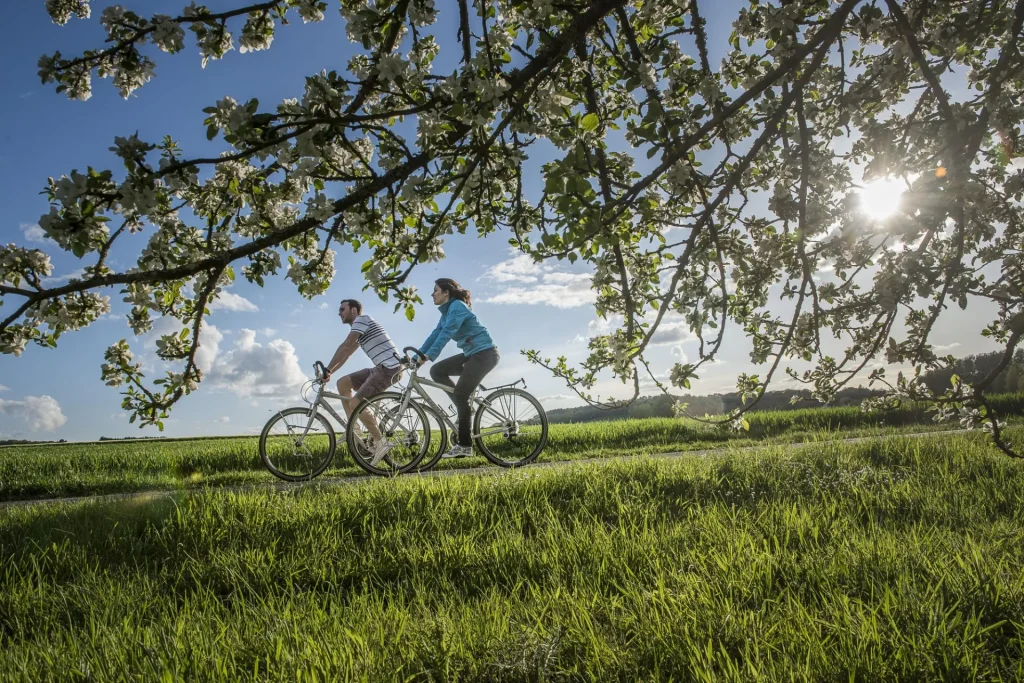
[{"x": 375, "y": 342}]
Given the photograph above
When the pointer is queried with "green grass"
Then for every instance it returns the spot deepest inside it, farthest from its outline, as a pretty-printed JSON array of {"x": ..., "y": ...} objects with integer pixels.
[
  {"x": 897, "y": 559},
  {"x": 44, "y": 471}
]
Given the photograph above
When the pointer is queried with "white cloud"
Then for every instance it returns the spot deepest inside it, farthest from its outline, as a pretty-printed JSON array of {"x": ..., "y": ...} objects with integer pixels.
[
  {"x": 521, "y": 280},
  {"x": 552, "y": 398},
  {"x": 599, "y": 326},
  {"x": 209, "y": 346},
  {"x": 3, "y": 388},
  {"x": 946, "y": 347},
  {"x": 323, "y": 306},
  {"x": 42, "y": 413},
  {"x": 252, "y": 369},
  {"x": 672, "y": 329},
  {"x": 679, "y": 353},
  {"x": 561, "y": 290},
  {"x": 34, "y": 233},
  {"x": 520, "y": 268},
  {"x": 223, "y": 420},
  {"x": 61, "y": 279},
  {"x": 672, "y": 333},
  {"x": 229, "y": 301},
  {"x": 268, "y": 331}
]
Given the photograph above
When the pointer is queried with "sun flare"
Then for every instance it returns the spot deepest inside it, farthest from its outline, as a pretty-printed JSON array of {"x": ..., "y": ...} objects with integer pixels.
[{"x": 880, "y": 198}]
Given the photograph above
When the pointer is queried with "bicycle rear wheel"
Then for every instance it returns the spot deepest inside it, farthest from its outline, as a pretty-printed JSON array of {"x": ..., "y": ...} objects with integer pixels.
[
  {"x": 291, "y": 451},
  {"x": 511, "y": 427},
  {"x": 405, "y": 430}
]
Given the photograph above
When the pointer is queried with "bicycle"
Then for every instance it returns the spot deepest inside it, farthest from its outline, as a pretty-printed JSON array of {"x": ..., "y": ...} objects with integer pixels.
[
  {"x": 303, "y": 449},
  {"x": 510, "y": 427}
]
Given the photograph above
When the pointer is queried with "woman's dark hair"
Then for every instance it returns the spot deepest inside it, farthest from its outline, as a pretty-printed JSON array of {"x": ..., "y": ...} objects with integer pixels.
[{"x": 454, "y": 290}]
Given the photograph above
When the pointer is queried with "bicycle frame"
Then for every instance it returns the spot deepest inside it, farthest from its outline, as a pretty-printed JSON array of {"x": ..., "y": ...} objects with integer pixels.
[
  {"x": 416, "y": 384},
  {"x": 315, "y": 406}
]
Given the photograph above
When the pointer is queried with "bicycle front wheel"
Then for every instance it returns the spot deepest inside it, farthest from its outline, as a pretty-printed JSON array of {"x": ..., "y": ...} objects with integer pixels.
[
  {"x": 510, "y": 427},
  {"x": 294, "y": 448},
  {"x": 404, "y": 432},
  {"x": 440, "y": 439}
]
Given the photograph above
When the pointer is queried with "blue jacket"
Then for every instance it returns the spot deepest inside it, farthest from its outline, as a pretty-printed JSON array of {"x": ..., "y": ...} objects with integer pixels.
[{"x": 459, "y": 323}]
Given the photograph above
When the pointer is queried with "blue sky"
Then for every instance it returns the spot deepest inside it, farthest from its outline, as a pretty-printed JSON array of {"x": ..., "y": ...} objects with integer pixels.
[{"x": 263, "y": 340}]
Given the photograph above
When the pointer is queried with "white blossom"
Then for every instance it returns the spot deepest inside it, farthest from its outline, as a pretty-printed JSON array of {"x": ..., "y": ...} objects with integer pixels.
[
  {"x": 422, "y": 12},
  {"x": 257, "y": 33},
  {"x": 168, "y": 35},
  {"x": 60, "y": 11},
  {"x": 391, "y": 67},
  {"x": 311, "y": 10}
]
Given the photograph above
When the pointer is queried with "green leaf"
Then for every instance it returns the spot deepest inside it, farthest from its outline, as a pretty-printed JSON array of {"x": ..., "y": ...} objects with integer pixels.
[
  {"x": 211, "y": 132},
  {"x": 590, "y": 122},
  {"x": 410, "y": 312}
]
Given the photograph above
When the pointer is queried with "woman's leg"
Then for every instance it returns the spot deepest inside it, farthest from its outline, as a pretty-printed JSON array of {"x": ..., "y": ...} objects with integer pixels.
[
  {"x": 442, "y": 371},
  {"x": 474, "y": 369}
]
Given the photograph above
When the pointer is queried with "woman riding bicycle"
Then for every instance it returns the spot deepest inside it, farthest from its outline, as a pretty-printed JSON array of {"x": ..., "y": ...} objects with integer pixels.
[{"x": 479, "y": 355}]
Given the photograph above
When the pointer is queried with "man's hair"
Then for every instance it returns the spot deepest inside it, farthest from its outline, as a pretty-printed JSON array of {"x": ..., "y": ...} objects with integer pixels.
[{"x": 352, "y": 303}]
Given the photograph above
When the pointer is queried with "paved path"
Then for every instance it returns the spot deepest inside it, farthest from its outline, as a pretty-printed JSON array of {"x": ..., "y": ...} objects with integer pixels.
[{"x": 327, "y": 482}]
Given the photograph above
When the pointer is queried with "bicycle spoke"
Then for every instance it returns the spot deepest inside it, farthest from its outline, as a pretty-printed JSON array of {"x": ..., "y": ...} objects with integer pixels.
[
  {"x": 294, "y": 448},
  {"x": 512, "y": 429}
]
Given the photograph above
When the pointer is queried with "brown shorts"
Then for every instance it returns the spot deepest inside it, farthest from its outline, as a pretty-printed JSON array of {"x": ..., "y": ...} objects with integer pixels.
[{"x": 371, "y": 381}]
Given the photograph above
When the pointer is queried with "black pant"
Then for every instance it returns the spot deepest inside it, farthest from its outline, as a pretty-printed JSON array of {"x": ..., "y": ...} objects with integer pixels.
[{"x": 471, "y": 371}]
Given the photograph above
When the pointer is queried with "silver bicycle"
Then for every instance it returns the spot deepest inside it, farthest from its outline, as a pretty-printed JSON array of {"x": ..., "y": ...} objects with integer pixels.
[
  {"x": 510, "y": 427},
  {"x": 298, "y": 444}
]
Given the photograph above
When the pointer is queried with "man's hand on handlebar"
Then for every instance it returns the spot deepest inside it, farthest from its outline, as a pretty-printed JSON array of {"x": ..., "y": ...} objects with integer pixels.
[{"x": 322, "y": 370}]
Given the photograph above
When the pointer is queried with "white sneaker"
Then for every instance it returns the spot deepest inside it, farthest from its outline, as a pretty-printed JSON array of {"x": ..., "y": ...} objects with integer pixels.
[
  {"x": 458, "y": 452},
  {"x": 379, "y": 450}
]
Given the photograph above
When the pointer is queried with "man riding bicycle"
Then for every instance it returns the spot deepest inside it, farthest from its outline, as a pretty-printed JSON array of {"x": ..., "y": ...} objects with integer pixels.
[{"x": 367, "y": 334}]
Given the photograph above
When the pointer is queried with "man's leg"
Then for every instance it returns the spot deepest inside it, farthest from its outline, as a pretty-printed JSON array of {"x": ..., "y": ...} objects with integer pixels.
[
  {"x": 358, "y": 381},
  {"x": 345, "y": 389}
]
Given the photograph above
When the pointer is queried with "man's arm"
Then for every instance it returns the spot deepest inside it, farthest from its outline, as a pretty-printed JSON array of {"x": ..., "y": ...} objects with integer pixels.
[{"x": 344, "y": 352}]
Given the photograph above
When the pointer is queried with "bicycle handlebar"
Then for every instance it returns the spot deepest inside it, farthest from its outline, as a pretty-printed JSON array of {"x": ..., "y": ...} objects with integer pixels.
[
  {"x": 416, "y": 351},
  {"x": 320, "y": 369}
]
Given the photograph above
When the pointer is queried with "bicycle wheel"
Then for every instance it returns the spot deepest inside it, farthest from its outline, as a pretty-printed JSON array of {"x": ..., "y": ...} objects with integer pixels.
[
  {"x": 440, "y": 439},
  {"x": 510, "y": 428},
  {"x": 405, "y": 430},
  {"x": 291, "y": 451}
]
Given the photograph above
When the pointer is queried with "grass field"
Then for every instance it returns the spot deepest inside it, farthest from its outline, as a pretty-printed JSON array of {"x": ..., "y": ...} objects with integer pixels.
[
  {"x": 118, "y": 466},
  {"x": 896, "y": 559}
]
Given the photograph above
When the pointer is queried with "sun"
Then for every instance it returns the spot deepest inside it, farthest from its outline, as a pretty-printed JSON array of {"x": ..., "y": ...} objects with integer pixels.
[{"x": 880, "y": 198}]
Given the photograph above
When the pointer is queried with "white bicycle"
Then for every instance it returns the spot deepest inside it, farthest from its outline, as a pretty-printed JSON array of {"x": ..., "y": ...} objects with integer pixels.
[
  {"x": 510, "y": 427},
  {"x": 298, "y": 444}
]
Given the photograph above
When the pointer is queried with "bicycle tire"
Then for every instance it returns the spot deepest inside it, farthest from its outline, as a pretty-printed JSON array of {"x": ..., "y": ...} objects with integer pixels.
[
  {"x": 268, "y": 460},
  {"x": 443, "y": 443},
  {"x": 357, "y": 450},
  {"x": 489, "y": 447}
]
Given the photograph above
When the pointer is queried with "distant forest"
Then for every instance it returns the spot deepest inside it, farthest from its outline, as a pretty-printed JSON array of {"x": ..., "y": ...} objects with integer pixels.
[{"x": 969, "y": 368}]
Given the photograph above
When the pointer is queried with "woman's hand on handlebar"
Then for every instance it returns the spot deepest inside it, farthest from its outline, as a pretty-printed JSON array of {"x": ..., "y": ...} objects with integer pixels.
[{"x": 418, "y": 358}]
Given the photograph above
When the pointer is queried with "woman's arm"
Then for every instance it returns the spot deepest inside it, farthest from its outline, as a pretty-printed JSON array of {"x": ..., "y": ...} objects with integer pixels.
[{"x": 448, "y": 326}]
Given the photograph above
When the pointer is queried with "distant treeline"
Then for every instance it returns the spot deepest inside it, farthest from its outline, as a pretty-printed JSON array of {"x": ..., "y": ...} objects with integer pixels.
[
  {"x": 15, "y": 442},
  {"x": 969, "y": 368}
]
